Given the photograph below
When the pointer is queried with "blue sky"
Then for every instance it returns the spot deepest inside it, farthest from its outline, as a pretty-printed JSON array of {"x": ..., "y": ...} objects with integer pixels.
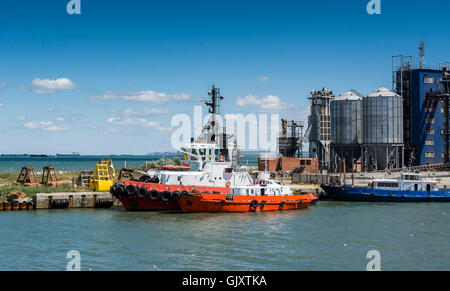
[{"x": 73, "y": 82}]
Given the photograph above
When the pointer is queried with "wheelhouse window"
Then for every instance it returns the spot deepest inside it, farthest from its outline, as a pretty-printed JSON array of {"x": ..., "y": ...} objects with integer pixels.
[{"x": 387, "y": 184}]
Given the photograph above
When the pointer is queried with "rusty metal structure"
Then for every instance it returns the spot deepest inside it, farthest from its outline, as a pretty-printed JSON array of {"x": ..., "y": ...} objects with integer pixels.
[
  {"x": 126, "y": 173},
  {"x": 27, "y": 177},
  {"x": 84, "y": 178},
  {"x": 289, "y": 139},
  {"x": 49, "y": 176}
]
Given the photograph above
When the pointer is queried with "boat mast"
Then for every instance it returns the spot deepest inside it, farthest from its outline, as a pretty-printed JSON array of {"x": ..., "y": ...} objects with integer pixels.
[{"x": 214, "y": 108}]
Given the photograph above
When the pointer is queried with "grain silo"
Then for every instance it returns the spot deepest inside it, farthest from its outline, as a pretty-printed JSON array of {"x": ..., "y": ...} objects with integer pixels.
[
  {"x": 382, "y": 130},
  {"x": 346, "y": 128}
]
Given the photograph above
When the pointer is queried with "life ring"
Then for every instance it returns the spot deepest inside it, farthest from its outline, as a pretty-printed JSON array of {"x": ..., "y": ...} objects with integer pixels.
[
  {"x": 254, "y": 203},
  {"x": 221, "y": 158},
  {"x": 228, "y": 184},
  {"x": 184, "y": 194}
]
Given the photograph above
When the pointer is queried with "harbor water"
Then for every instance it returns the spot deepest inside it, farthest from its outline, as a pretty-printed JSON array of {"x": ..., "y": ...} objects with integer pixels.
[
  {"x": 328, "y": 236},
  {"x": 86, "y": 162}
]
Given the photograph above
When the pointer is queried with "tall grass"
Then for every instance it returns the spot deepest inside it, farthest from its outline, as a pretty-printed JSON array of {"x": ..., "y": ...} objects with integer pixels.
[{"x": 7, "y": 186}]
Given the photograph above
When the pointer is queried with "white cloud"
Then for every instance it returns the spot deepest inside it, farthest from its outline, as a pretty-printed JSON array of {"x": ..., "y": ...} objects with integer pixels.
[
  {"x": 1, "y": 105},
  {"x": 48, "y": 86},
  {"x": 249, "y": 99},
  {"x": 44, "y": 125},
  {"x": 60, "y": 119},
  {"x": 108, "y": 95},
  {"x": 155, "y": 97},
  {"x": 137, "y": 122},
  {"x": 52, "y": 109},
  {"x": 267, "y": 103},
  {"x": 145, "y": 111},
  {"x": 3, "y": 84},
  {"x": 21, "y": 118},
  {"x": 263, "y": 79},
  {"x": 32, "y": 125},
  {"x": 54, "y": 128}
]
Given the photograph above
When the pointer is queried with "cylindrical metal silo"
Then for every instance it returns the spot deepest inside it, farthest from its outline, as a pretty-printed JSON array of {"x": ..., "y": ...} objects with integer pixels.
[
  {"x": 346, "y": 119},
  {"x": 383, "y": 117},
  {"x": 383, "y": 126},
  {"x": 346, "y": 128}
]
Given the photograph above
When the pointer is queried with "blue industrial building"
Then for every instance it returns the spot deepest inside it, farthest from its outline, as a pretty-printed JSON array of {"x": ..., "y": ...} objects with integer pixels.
[
  {"x": 424, "y": 117},
  {"x": 427, "y": 118}
]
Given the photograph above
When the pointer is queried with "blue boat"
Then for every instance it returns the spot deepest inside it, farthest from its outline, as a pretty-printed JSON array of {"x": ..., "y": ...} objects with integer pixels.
[{"x": 409, "y": 188}]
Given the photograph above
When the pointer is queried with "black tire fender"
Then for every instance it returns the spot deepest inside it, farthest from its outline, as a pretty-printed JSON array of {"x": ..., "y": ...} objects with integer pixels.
[
  {"x": 131, "y": 190},
  {"x": 184, "y": 194},
  {"x": 175, "y": 195},
  {"x": 142, "y": 192},
  {"x": 165, "y": 196},
  {"x": 154, "y": 195}
]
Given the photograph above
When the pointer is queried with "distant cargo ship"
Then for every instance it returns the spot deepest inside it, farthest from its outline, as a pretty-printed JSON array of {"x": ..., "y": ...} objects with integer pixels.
[
  {"x": 68, "y": 155},
  {"x": 39, "y": 156},
  {"x": 14, "y": 155}
]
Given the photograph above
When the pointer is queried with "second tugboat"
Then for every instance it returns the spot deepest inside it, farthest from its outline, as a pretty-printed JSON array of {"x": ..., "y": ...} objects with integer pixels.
[{"x": 265, "y": 195}]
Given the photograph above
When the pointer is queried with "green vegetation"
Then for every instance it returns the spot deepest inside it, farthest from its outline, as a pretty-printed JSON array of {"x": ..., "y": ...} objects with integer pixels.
[
  {"x": 7, "y": 185},
  {"x": 176, "y": 161}
]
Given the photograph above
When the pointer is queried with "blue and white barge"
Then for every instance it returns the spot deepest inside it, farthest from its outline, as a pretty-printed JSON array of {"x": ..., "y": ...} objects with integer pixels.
[{"x": 410, "y": 187}]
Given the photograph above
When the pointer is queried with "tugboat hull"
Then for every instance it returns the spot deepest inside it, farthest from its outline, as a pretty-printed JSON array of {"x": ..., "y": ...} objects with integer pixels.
[
  {"x": 145, "y": 204},
  {"x": 243, "y": 203},
  {"x": 165, "y": 198},
  {"x": 365, "y": 194}
]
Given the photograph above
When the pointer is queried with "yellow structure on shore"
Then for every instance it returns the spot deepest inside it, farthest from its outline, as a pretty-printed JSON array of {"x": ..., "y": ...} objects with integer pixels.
[{"x": 102, "y": 181}]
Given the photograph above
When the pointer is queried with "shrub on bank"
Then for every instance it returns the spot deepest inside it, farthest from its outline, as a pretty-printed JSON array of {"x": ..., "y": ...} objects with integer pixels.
[{"x": 175, "y": 161}]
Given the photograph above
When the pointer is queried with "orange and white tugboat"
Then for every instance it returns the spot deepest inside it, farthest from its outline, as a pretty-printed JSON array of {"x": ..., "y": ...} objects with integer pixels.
[
  {"x": 264, "y": 195},
  {"x": 218, "y": 184},
  {"x": 210, "y": 154},
  {"x": 219, "y": 187}
]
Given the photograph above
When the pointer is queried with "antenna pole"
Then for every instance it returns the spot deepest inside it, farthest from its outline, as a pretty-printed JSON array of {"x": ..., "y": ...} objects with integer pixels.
[{"x": 422, "y": 54}]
